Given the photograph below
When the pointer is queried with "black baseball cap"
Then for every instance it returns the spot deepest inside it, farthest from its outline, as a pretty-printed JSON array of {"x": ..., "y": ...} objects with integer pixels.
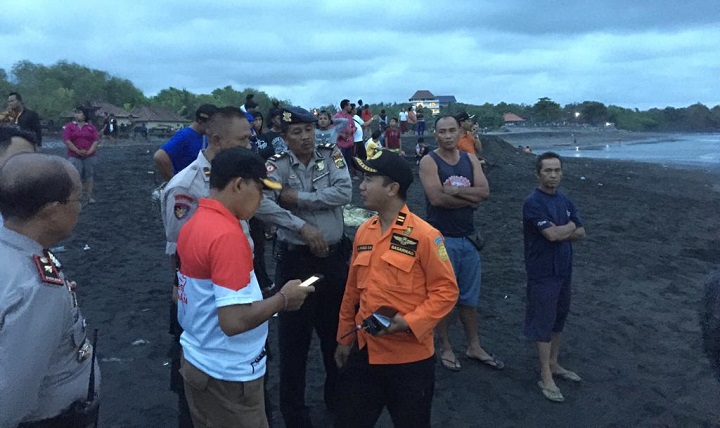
[
  {"x": 389, "y": 164},
  {"x": 463, "y": 117},
  {"x": 240, "y": 162},
  {"x": 203, "y": 113}
]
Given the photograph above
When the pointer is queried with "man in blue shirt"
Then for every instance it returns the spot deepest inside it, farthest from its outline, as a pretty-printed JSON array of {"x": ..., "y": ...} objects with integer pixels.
[
  {"x": 183, "y": 148},
  {"x": 550, "y": 224}
]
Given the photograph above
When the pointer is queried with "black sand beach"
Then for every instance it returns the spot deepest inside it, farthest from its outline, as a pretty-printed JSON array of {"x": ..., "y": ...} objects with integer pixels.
[{"x": 633, "y": 334}]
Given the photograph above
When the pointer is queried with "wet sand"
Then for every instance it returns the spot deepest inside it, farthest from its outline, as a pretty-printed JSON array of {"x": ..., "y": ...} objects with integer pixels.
[{"x": 633, "y": 333}]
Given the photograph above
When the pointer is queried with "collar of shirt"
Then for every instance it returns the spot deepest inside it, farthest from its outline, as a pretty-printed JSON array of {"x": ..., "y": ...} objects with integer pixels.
[
  {"x": 202, "y": 163},
  {"x": 20, "y": 241},
  {"x": 216, "y": 206},
  {"x": 402, "y": 220}
]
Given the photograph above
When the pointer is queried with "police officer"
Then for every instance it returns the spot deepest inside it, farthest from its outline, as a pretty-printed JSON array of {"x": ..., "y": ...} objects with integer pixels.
[
  {"x": 46, "y": 361},
  {"x": 308, "y": 212},
  {"x": 226, "y": 128}
]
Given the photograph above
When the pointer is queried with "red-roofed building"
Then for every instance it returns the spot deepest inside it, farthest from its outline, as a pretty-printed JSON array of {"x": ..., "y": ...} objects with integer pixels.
[{"x": 513, "y": 119}]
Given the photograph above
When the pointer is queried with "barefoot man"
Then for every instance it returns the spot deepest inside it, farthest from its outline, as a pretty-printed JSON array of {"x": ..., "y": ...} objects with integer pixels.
[{"x": 550, "y": 225}]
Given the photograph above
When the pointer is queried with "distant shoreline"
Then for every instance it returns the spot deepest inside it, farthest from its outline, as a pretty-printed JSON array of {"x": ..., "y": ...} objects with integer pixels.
[{"x": 546, "y": 138}]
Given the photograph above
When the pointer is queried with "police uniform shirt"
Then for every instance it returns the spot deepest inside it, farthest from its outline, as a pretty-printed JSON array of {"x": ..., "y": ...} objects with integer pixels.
[
  {"x": 45, "y": 356},
  {"x": 323, "y": 187},
  {"x": 180, "y": 200}
]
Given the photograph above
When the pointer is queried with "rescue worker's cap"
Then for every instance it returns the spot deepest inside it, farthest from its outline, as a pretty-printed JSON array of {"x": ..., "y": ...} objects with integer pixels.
[
  {"x": 203, "y": 113},
  {"x": 240, "y": 162},
  {"x": 389, "y": 164},
  {"x": 293, "y": 115}
]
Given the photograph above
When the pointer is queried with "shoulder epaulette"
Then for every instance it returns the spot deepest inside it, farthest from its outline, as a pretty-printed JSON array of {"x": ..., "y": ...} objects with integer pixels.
[
  {"x": 277, "y": 157},
  {"x": 326, "y": 146}
]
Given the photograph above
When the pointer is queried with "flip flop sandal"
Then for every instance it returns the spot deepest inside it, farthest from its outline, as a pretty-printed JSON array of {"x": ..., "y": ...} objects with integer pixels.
[
  {"x": 569, "y": 376},
  {"x": 553, "y": 395}
]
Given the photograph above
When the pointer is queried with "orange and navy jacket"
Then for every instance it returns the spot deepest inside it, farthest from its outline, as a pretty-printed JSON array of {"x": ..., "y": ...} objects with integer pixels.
[{"x": 406, "y": 268}]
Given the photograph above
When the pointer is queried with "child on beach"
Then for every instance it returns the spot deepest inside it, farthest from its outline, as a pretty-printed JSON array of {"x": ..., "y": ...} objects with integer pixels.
[
  {"x": 392, "y": 136},
  {"x": 372, "y": 145},
  {"x": 328, "y": 129},
  {"x": 420, "y": 150}
]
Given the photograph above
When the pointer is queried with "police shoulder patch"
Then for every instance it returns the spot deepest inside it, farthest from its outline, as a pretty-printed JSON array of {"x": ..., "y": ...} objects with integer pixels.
[
  {"x": 48, "y": 271},
  {"x": 339, "y": 160},
  {"x": 181, "y": 210}
]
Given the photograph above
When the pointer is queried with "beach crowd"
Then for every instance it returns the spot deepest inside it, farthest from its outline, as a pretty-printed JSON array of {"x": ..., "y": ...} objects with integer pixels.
[{"x": 380, "y": 304}]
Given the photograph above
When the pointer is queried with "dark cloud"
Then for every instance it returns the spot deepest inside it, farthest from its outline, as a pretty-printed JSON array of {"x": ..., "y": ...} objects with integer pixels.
[{"x": 628, "y": 53}]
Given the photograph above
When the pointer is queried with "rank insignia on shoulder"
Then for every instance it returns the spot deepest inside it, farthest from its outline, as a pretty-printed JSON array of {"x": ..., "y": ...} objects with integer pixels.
[
  {"x": 48, "y": 272},
  {"x": 328, "y": 146},
  {"x": 401, "y": 219},
  {"x": 181, "y": 210}
]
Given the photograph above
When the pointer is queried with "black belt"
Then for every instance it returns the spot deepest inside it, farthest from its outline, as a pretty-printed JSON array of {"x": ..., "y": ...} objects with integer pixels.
[{"x": 295, "y": 248}]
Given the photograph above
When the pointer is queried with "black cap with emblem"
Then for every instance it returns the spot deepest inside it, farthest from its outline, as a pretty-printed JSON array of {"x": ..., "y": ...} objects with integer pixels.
[
  {"x": 239, "y": 162},
  {"x": 294, "y": 115},
  {"x": 389, "y": 164}
]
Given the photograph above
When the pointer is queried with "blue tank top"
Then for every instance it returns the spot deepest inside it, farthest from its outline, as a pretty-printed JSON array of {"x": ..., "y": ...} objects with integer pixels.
[{"x": 457, "y": 222}]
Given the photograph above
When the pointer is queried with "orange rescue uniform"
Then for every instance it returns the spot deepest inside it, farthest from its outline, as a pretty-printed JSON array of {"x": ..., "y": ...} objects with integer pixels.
[{"x": 406, "y": 268}]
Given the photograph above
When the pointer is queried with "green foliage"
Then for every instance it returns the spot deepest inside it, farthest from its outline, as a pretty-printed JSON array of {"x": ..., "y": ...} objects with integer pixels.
[
  {"x": 546, "y": 111},
  {"x": 56, "y": 89}
]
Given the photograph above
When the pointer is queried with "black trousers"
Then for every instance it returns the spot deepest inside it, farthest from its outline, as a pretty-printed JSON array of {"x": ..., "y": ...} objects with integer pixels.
[
  {"x": 320, "y": 313},
  {"x": 405, "y": 389},
  {"x": 176, "y": 381}
]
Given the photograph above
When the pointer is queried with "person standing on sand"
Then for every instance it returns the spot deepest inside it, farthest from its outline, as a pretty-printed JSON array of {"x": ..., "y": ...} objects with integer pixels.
[
  {"x": 328, "y": 129},
  {"x": 399, "y": 262},
  {"x": 309, "y": 216},
  {"x": 226, "y": 128},
  {"x": 183, "y": 148},
  {"x": 24, "y": 118},
  {"x": 468, "y": 142},
  {"x": 220, "y": 305},
  {"x": 550, "y": 224},
  {"x": 46, "y": 357},
  {"x": 454, "y": 186},
  {"x": 82, "y": 140}
]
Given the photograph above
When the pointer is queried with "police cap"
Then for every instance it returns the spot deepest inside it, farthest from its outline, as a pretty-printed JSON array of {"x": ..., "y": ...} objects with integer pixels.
[{"x": 293, "y": 115}]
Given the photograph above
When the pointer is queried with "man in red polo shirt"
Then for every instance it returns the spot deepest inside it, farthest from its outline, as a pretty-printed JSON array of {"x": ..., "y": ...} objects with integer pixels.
[{"x": 220, "y": 305}]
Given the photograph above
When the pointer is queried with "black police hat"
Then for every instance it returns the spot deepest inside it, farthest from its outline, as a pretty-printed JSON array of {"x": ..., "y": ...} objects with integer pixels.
[
  {"x": 389, "y": 164},
  {"x": 240, "y": 162},
  {"x": 293, "y": 115}
]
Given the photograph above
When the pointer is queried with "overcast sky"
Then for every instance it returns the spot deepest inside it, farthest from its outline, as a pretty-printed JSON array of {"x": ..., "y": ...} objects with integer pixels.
[{"x": 632, "y": 53}]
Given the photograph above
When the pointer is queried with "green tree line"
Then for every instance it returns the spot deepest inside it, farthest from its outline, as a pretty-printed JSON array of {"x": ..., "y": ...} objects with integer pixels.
[{"x": 56, "y": 89}]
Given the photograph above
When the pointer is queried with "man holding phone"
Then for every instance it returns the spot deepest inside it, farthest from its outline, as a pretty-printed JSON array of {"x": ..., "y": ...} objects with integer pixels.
[{"x": 400, "y": 285}]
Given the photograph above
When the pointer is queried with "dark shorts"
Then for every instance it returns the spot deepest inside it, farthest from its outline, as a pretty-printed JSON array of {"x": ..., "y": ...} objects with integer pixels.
[
  {"x": 548, "y": 305},
  {"x": 84, "y": 166}
]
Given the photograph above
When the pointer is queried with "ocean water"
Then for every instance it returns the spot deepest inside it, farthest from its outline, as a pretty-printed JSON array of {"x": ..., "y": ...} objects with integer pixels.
[{"x": 686, "y": 150}]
